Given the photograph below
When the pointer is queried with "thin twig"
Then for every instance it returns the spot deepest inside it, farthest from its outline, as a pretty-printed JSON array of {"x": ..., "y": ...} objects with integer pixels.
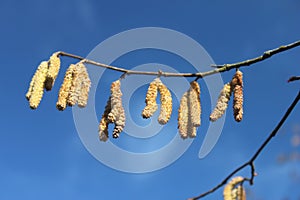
[
  {"x": 256, "y": 154},
  {"x": 219, "y": 68},
  {"x": 294, "y": 78}
]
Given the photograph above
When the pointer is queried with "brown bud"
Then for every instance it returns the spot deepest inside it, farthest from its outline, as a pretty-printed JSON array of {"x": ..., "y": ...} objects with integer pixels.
[
  {"x": 237, "y": 85},
  {"x": 151, "y": 105},
  {"x": 222, "y": 103},
  {"x": 65, "y": 88},
  {"x": 36, "y": 87},
  {"x": 166, "y": 104},
  {"x": 54, "y": 66}
]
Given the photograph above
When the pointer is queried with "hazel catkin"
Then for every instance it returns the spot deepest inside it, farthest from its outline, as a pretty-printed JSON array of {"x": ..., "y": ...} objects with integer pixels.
[
  {"x": 151, "y": 105},
  {"x": 85, "y": 86},
  {"x": 117, "y": 113},
  {"x": 53, "y": 70},
  {"x": 65, "y": 88},
  {"x": 237, "y": 84},
  {"x": 232, "y": 191},
  {"x": 222, "y": 102},
  {"x": 104, "y": 122},
  {"x": 166, "y": 103},
  {"x": 194, "y": 96},
  {"x": 36, "y": 87}
]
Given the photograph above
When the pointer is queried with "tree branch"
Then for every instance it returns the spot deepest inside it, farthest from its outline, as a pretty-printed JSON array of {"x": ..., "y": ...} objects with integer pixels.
[
  {"x": 256, "y": 154},
  {"x": 219, "y": 68}
]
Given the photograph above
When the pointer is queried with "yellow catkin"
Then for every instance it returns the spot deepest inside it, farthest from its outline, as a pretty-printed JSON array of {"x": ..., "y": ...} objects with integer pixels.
[
  {"x": 185, "y": 125},
  {"x": 54, "y": 66},
  {"x": 103, "y": 126},
  {"x": 151, "y": 105},
  {"x": 85, "y": 86},
  {"x": 237, "y": 84},
  {"x": 75, "y": 86},
  {"x": 195, "y": 105},
  {"x": 165, "y": 103},
  {"x": 240, "y": 193},
  {"x": 222, "y": 103},
  {"x": 65, "y": 88},
  {"x": 230, "y": 190},
  {"x": 117, "y": 113},
  {"x": 36, "y": 87}
]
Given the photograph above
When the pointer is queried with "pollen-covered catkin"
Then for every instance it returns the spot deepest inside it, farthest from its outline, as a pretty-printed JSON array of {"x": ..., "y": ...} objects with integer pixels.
[
  {"x": 85, "y": 86},
  {"x": 185, "y": 126},
  {"x": 65, "y": 88},
  {"x": 195, "y": 105},
  {"x": 230, "y": 192},
  {"x": 222, "y": 102},
  {"x": 103, "y": 126},
  {"x": 165, "y": 104},
  {"x": 117, "y": 113},
  {"x": 151, "y": 105},
  {"x": 75, "y": 86},
  {"x": 54, "y": 66},
  {"x": 237, "y": 84},
  {"x": 36, "y": 88}
]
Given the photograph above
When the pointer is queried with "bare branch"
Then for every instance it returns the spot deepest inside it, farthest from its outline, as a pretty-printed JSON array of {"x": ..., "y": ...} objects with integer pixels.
[
  {"x": 218, "y": 68},
  {"x": 257, "y": 153}
]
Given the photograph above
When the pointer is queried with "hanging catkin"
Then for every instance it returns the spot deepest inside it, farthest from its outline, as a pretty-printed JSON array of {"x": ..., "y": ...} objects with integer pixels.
[
  {"x": 36, "y": 87},
  {"x": 103, "y": 126},
  {"x": 237, "y": 84},
  {"x": 74, "y": 91},
  {"x": 117, "y": 113},
  {"x": 194, "y": 96},
  {"x": 233, "y": 191},
  {"x": 85, "y": 86},
  {"x": 165, "y": 103},
  {"x": 65, "y": 88},
  {"x": 151, "y": 105},
  {"x": 189, "y": 111},
  {"x": 222, "y": 103},
  {"x": 54, "y": 66}
]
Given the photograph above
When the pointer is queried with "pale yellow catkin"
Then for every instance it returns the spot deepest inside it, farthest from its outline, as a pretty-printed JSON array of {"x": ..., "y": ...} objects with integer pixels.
[
  {"x": 54, "y": 66},
  {"x": 230, "y": 190},
  {"x": 195, "y": 105},
  {"x": 85, "y": 86},
  {"x": 65, "y": 88},
  {"x": 222, "y": 102},
  {"x": 238, "y": 99},
  {"x": 117, "y": 113},
  {"x": 73, "y": 95},
  {"x": 165, "y": 104},
  {"x": 151, "y": 105},
  {"x": 185, "y": 126},
  {"x": 104, "y": 122},
  {"x": 36, "y": 88}
]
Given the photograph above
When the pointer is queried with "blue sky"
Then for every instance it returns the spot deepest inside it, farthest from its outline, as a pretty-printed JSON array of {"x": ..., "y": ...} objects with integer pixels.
[{"x": 41, "y": 155}]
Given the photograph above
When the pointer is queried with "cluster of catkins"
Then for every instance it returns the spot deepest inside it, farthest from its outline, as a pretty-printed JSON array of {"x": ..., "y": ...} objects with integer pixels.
[
  {"x": 234, "y": 190},
  {"x": 165, "y": 99},
  {"x": 235, "y": 87},
  {"x": 74, "y": 90},
  {"x": 113, "y": 113}
]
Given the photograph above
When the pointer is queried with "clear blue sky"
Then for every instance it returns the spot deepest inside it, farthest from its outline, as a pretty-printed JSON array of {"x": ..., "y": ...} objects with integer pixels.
[{"x": 41, "y": 155}]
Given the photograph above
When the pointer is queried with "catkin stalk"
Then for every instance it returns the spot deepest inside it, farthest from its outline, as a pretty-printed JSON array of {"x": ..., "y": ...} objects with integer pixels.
[
  {"x": 36, "y": 87},
  {"x": 65, "y": 88},
  {"x": 151, "y": 105},
  {"x": 237, "y": 84},
  {"x": 166, "y": 104},
  {"x": 54, "y": 66},
  {"x": 222, "y": 103}
]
